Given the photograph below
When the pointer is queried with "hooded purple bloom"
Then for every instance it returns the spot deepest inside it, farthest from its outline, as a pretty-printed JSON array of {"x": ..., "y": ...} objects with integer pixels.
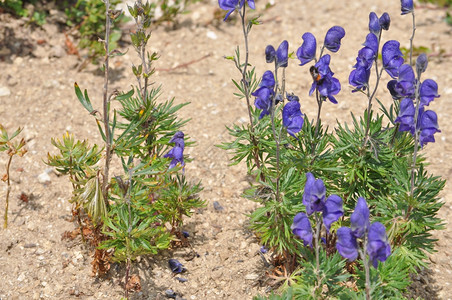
[
  {"x": 301, "y": 227},
  {"x": 372, "y": 43},
  {"x": 270, "y": 54},
  {"x": 378, "y": 246},
  {"x": 428, "y": 125},
  {"x": 307, "y": 50},
  {"x": 346, "y": 243},
  {"x": 177, "y": 152},
  {"x": 374, "y": 24},
  {"x": 428, "y": 91},
  {"x": 406, "y": 83},
  {"x": 332, "y": 211},
  {"x": 314, "y": 194},
  {"x": 365, "y": 59},
  {"x": 407, "y": 6},
  {"x": 292, "y": 117},
  {"x": 421, "y": 63},
  {"x": 265, "y": 93},
  {"x": 391, "y": 88},
  {"x": 268, "y": 80},
  {"x": 176, "y": 266},
  {"x": 359, "y": 78},
  {"x": 384, "y": 21},
  {"x": 392, "y": 57},
  {"x": 324, "y": 81},
  {"x": 406, "y": 115},
  {"x": 231, "y": 5},
  {"x": 282, "y": 54},
  {"x": 333, "y": 38},
  {"x": 360, "y": 218}
]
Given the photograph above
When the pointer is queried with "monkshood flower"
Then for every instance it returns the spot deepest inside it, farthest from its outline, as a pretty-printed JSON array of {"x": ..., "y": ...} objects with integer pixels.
[
  {"x": 301, "y": 227},
  {"x": 421, "y": 63},
  {"x": 406, "y": 115},
  {"x": 346, "y": 243},
  {"x": 392, "y": 57},
  {"x": 406, "y": 83},
  {"x": 231, "y": 5},
  {"x": 428, "y": 126},
  {"x": 378, "y": 246},
  {"x": 407, "y": 6},
  {"x": 359, "y": 78},
  {"x": 176, "y": 266},
  {"x": 270, "y": 54},
  {"x": 333, "y": 38},
  {"x": 374, "y": 24},
  {"x": 332, "y": 211},
  {"x": 281, "y": 55},
  {"x": 323, "y": 79},
  {"x": 307, "y": 50},
  {"x": 292, "y": 116},
  {"x": 177, "y": 152},
  {"x": 265, "y": 93},
  {"x": 428, "y": 91},
  {"x": 384, "y": 21},
  {"x": 374, "y": 236},
  {"x": 314, "y": 194}
]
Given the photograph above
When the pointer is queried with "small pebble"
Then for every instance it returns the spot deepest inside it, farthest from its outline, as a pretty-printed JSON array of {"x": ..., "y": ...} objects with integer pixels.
[
  {"x": 217, "y": 206},
  {"x": 181, "y": 279},
  {"x": 170, "y": 294}
]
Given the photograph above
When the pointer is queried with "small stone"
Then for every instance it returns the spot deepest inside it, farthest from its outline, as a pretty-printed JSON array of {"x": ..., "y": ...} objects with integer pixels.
[
  {"x": 212, "y": 35},
  {"x": 4, "y": 91},
  {"x": 217, "y": 206},
  {"x": 21, "y": 277},
  {"x": 44, "y": 178},
  {"x": 251, "y": 276}
]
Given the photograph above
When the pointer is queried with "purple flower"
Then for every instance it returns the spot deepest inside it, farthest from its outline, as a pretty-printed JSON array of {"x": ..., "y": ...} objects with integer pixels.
[
  {"x": 372, "y": 43},
  {"x": 406, "y": 83},
  {"x": 428, "y": 126},
  {"x": 332, "y": 211},
  {"x": 265, "y": 93},
  {"x": 378, "y": 247},
  {"x": 406, "y": 115},
  {"x": 384, "y": 21},
  {"x": 177, "y": 152},
  {"x": 323, "y": 79},
  {"x": 176, "y": 266},
  {"x": 301, "y": 227},
  {"x": 314, "y": 194},
  {"x": 263, "y": 249},
  {"x": 360, "y": 218},
  {"x": 359, "y": 78},
  {"x": 366, "y": 57},
  {"x": 282, "y": 54},
  {"x": 268, "y": 80},
  {"x": 428, "y": 91},
  {"x": 407, "y": 6},
  {"x": 374, "y": 24},
  {"x": 346, "y": 243},
  {"x": 231, "y": 5},
  {"x": 421, "y": 63},
  {"x": 333, "y": 38},
  {"x": 270, "y": 54},
  {"x": 307, "y": 50},
  {"x": 292, "y": 117},
  {"x": 392, "y": 57}
]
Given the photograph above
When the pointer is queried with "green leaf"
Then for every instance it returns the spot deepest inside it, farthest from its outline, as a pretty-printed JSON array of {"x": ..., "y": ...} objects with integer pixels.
[{"x": 84, "y": 100}]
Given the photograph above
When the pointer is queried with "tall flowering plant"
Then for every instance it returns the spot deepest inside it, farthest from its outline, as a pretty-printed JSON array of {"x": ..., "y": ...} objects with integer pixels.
[{"x": 383, "y": 204}]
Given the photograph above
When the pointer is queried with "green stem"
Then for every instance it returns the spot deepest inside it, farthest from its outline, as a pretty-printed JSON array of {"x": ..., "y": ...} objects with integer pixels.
[{"x": 8, "y": 165}]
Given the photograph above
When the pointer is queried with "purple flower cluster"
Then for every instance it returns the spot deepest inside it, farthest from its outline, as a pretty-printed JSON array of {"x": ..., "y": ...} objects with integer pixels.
[
  {"x": 231, "y": 5},
  {"x": 292, "y": 116},
  {"x": 265, "y": 93},
  {"x": 314, "y": 198},
  {"x": 323, "y": 80},
  {"x": 359, "y": 77},
  {"x": 177, "y": 152},
  {"x": 279, "y": 56},
  {"x": 373, "y": 235}
]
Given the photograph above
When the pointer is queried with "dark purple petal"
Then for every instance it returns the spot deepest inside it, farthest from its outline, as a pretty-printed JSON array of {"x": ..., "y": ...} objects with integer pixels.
[
  {"x": 428, "y": 125},
  {"x": 282, "y": 54},
  {"x": 407, "y": 6},
  {"x": 359, "y": 78},
  {"x": 177, "y": 155},
  {"x": 421, "y": 63},
  {"x": 328, "y": 87},
  {"x": 391, "y": 88},
  {"x": 360, "y": 218},
  {"x": 307, "y": 50},
  {"x": 332, "y": 211},
  {"x": 314, "y": 194},
  {"x": 428, "y": 91},
  {"x": 251, "y": 4},
  {"x": 333, "y": 38},
  {"x": 229, "y": 5},
  {"x": 378, "y": 247},
  {"x": 268, "y": 80},
  {"x": 323, "y": 66},
  {"x": 292, "y": 117},
  {"x": 270, "y": 54},
  {"x": 371, "y": 42},
  {"x": 406, "y": 83},
  {"x": 178, "y": 139},
  {"x": 374, "y": 24},
  {"x": 406, "y": 115},
  {"x": 392, "y": 57},
  {"x": 176, "y": 266},
  {"x": 384, "y": 21},
  {"x": 346, "y": 243},
  {"x": 292, "y": 97},
  {"x": 263, "y": 100},
  {"x": 365, "y": 59},
  {"x": 301, "y": 227}
]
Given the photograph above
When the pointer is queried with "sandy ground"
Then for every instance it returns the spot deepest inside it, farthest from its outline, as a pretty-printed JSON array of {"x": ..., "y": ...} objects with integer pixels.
[{"x": 37, "y": 77}]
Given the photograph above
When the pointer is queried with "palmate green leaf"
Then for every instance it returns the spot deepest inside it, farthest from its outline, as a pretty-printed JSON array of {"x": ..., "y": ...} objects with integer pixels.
[{"x": 84, "y": 100}]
